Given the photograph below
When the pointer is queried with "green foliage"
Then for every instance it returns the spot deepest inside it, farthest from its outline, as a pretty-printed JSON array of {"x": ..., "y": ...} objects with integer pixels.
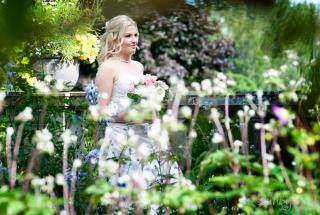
[
  {"x": 258, "y": 33},
  {"x": 180, "y": 45},
  {"x": 15, "y": 202}
]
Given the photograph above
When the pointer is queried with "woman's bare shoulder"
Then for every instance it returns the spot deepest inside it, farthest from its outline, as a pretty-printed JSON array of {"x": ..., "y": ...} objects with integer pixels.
[
  {"x": 138, "y": 65},
  {"x": 106, "y": 68}
]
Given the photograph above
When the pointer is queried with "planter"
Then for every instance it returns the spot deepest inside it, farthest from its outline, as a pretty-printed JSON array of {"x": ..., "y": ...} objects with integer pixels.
[{"x": 68, "y": 71}]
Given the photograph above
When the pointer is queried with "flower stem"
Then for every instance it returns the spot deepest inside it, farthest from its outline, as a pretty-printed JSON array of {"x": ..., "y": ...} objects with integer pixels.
[
  {"x": 13, "y": 169},
  {"x": 188, "y": 149},
  {"x": 8, "y": 152},
  {"x": 227, "y": 122},
  {"x": 65, "y": 185},
  {"x": 282, "y": 167},
  {"x": 29, "y": 170}
]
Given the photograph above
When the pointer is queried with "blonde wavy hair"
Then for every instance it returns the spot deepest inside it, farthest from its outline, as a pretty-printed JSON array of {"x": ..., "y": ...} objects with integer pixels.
[{"x": 111, "y": 40}]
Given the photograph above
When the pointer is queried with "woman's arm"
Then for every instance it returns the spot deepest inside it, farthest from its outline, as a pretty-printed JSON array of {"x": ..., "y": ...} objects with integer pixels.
[{"x": 104, "y": 81}]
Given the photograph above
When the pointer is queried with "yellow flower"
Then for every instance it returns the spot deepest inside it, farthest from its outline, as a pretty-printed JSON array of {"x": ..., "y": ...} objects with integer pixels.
[
  {"x": 89, "y": 46},
  {"x": 30, "y": 80}
]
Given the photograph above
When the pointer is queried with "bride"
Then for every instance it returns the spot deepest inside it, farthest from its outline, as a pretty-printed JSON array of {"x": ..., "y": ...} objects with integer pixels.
[{"x": 116, "y": 72}]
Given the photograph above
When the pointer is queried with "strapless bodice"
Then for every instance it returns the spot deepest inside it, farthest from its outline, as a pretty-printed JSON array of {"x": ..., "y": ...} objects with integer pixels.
[{"x": 120, "y": 90}]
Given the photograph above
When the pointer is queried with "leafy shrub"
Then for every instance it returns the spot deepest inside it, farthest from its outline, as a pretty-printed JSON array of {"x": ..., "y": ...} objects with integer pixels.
[{"x": 179, "y": 45}]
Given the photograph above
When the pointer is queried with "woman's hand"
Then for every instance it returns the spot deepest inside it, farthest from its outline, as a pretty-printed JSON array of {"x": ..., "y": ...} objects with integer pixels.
[{"x": 120, "y": 117}]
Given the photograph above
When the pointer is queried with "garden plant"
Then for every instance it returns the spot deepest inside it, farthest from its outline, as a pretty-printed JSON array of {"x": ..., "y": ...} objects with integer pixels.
[{"x": 261, "y": 158}]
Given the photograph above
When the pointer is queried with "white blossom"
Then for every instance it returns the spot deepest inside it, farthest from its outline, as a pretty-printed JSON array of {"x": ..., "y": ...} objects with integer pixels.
[
  {"x": 249, "y": 97},
  {"x": 196, "y": 86},
  {"x": 222, "y": 76},
  {"x": 238, "y": 143},
  {"x": 240, "y": 113},
  {"x": 259, "y": 93},
  {"x": 251, "y": 113},
  {"x": 44, "y": 184},
  {"x": 206, "y": 84},
  {"x": 77, "y": 163},
  {"x": 185, "y": 111},
  {"x": 108, "y": 167},
  {"x": 189, "y": 205},
  {"x": 43, "y": 140},
  {"x": 258, "y": 126},
  {"x": 94, "y": 112},
  {"x": 48, "y": 78},
  {"x": 193, "y": 134},
  {"x": 41, "y": 87},
  {"x": 63, "y": 212},
  {"x": 144, "y": 199},
  {"x": 217, "y": 138},
  {"x": 133, "y": 113},
  {"x": 159, "y": 135},
  {"x": 214, "y": 113},
  {"x": 283, "y": 68},
  {"x": 291, "y": 55},
  {"x": 269, "y": 157},
  {"x": 242, "y": 201},
  {"x": 60, "y": 179},
  {"x": 25, "y": 115},
  {"x": 9, "y": 131},
  {"x": 68, "y": 138},
  {"x": 277, "y": 148},
  {"x": 301, "y": 183},
  {"x": 271, "y": 165},
  {"x": 184, "y": 182},
  {"x": 173, "y": 80},
  {"x": 271, "y": 73}
]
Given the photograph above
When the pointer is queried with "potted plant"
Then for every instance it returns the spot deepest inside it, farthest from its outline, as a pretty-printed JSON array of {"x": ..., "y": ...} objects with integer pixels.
[{"x": 63, "y": 35}]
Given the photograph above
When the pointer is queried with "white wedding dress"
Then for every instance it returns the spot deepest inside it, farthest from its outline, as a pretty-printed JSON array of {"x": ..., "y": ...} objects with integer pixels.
[{"x": 130, "y": 144}]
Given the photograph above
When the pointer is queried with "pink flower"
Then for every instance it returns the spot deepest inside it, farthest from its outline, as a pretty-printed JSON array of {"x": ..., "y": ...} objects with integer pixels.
[
  {"x": 138, "y": 181},
  {"x": 281, "y": 114},
  {"x": 131, "y": 88},
  {"x": 149, "y": 80}
]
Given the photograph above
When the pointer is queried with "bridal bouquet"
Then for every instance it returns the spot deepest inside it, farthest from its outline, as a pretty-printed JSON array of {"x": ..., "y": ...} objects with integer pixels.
[{"x": 148, "y": 87}]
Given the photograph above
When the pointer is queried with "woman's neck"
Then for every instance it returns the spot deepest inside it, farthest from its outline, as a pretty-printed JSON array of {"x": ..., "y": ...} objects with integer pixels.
[{"x": 126, "y": 58}]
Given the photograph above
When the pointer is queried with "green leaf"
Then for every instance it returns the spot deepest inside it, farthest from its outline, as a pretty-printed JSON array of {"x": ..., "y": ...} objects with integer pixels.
[
  {"x": 25, "y": 60},
  {"x": 99, "y": 188},
  {"x": 15, "y": 207}
]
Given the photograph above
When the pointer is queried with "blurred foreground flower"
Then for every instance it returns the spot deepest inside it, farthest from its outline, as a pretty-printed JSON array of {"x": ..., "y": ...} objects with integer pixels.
[
  {"x": 281, "y": 113},
  {"x": 43, "y": 140},
  {"x": 25, "y": 115}
]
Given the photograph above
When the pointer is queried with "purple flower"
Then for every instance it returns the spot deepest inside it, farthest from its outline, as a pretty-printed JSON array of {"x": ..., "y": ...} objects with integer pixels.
[
  {"x": 92, "y": 93},
  {"x": 281, "y": 114},
  {"x": 68, "y": 177},
  {"x": 93, "y": 154}
]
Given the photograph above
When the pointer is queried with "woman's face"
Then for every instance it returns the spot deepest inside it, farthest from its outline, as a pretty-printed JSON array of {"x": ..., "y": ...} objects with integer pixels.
[{"x": 130, "y": 40}]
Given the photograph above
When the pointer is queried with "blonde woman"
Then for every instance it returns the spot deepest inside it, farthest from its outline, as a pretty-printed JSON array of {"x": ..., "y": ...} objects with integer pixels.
[{"x": 115, "y": 74}]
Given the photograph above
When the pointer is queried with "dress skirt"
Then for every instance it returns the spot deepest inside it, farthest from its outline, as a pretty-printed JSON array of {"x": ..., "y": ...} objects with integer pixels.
[{"x": 137, "y": 154}]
